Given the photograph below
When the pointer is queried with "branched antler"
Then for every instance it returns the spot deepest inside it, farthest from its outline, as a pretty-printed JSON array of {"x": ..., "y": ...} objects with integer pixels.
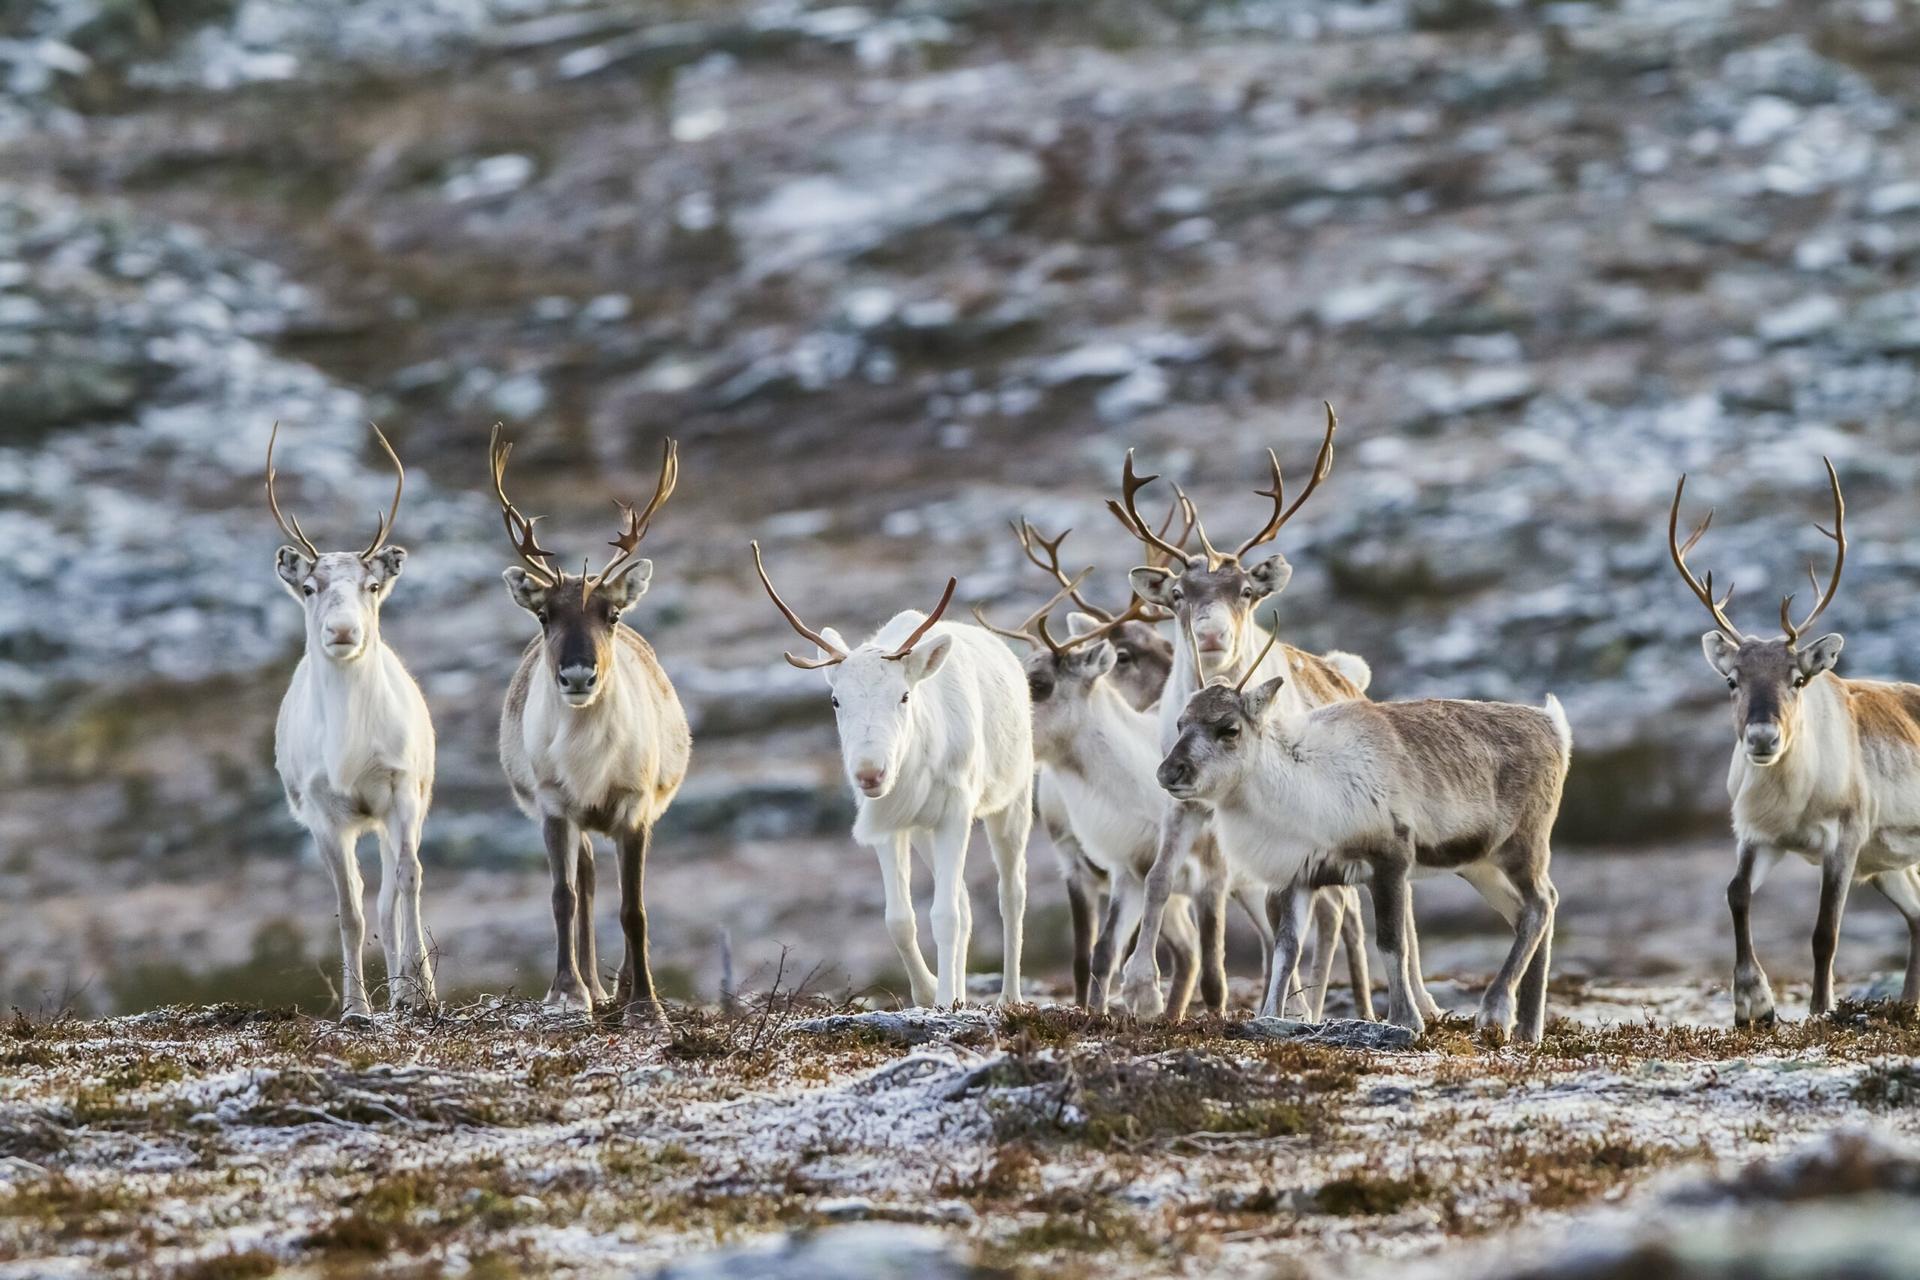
[
  {"x": 1838, "y": 534},
  {"x": 537, "y": 559}
]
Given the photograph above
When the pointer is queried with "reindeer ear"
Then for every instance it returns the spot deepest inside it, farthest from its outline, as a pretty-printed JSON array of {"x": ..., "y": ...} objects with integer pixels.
[
  {"x": 926, "y": 658},
  {"x": 390, "y": 560},
  {"x": 1078, "y": 624},
  {"x": 627, "y": 590},
  {"x": 293, "y": 569},
  {"x": 1820, "y": 655},
  {"x": 526, "y": 592},
  {"x": 1155, "y": 586},
  {"x": 1095, "y": 660},
  {"x": 1720, "y": 651},
  {"x": 1259, "y": 699},
  {"x": 1271, "y": 576}
]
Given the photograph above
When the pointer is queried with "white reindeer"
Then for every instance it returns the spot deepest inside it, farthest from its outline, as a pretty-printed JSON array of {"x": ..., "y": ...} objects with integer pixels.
[
  {"x": 1305, "y": 797},
  {"x": 354, "y": 745},
  {"x": 1825, "y": 768},
  {"x": 934, "y": 733}
]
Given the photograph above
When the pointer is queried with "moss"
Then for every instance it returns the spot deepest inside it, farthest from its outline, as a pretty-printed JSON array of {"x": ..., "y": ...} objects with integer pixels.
[
  {"x": 1099, "y": 1099},
  {"x": 1374, "y": 1195},
  {"x": 237, "y": 1265},
  {"x": 1889, "y": 1085}
]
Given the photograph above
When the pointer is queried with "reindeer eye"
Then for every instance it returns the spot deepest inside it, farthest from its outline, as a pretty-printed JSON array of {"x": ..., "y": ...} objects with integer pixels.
[
  {"x": 1229, "y": 730},
  {"x": 1799, "y": 682},
  {"x": 542, "y": 615},
  {"x": 1732, "y": 683},
  {"x": 904, "y": 697},
  {"x": 1246, "y": 593},
  {"x": 1121, "y": 657},
  {"x": 836, "y": 703},
  {"x": 306, "y": 588}
]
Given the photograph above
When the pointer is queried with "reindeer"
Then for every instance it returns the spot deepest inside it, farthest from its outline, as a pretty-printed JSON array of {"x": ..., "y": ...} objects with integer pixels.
[
  {"x": 354, "y": 744},
  {"x": 1141, "y": 660},
  {"x": 1314, "y": 795},
  {"x": 1096, "y": 742},
  {"x": 934, "y": 733},
  {"x": 1823, "y": 767},
  {"x": 1213, "y": 597},
  {"x": 592, "y": 737}
]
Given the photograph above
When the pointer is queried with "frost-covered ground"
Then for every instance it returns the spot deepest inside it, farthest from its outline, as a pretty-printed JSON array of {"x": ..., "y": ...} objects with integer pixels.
[{"x": 493, "y": 1140}]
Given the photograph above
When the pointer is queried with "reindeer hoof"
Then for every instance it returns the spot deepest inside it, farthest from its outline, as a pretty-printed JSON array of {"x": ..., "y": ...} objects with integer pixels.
[
  {"x": 357, "y": 1018},
  {"x": 569, "y": 1000}
]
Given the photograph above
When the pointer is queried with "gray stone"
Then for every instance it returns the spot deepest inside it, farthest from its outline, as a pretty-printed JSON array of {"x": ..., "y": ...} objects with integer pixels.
[
  {"x": 1346, "y": 1033},
  {"x": 867, "y": 1251},
  {"x": 913, "y": 1026}
]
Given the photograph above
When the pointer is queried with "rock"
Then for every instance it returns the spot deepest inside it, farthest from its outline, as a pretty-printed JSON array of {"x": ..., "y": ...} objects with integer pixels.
[
  {"x": 1807, "y": 318},
  {"x": 1345, "y": 1033},
  {"x": 916, "y": 1026},
  {"x": 869, "y": 1251}
]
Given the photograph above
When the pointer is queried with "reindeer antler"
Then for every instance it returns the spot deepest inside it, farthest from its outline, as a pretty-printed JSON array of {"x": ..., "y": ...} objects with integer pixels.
[
  {"x": 385, "y": 530},
  {"x": 946, "y": 598},
  {"x": 1839, "y": 536},
  {"x": 636, "y": 524},
  {"x": 1702, "y": 591},
  {"x": 1322, "y": 466},
  {"x": 835, "y": 654},
  {"x": 526, "y": 545},
  {"x": 1129, "y": 515},
  {"x": 288, "y": 526}
]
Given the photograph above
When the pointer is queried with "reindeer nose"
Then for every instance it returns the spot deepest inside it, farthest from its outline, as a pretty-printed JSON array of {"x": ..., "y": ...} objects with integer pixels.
[
  {"x": 578, "y": 679},
  {"x": 343, "y": 635},
  {"x": 869, "y": 777},
  {"x": 1763, "y": 739},
  {"x": 1174, "y": 772}
]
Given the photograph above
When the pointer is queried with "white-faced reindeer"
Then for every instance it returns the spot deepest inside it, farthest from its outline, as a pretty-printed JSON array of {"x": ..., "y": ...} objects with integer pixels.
[
  {"x": 1310, "y": 796},
  {"x": 934, "y": 733},
  {"x": 1097, "y": 743},
  {"x": 1824, "y": 768},
  {"x": 1213, "y": 597},
  {"x": 354, "y": 744},
  {"x": 592, "y": 738}
]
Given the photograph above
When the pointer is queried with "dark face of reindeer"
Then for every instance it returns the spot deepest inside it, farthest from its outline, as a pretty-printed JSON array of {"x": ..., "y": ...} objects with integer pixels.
[
  {"x": 1766, "y": 679},
  {"x": 1217, "y": 602},
  {"x": 1209, "y": 756},
  {"x": 577, "y": 627},
  {"x": 1139, "y": 663}
]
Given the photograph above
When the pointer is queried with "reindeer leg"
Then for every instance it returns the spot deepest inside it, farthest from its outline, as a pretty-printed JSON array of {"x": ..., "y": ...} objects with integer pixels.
[
  {"x": 563, "y": 844},
  {"x": 1007, "y": 833},
  {"x": 1752, "y": 994},
  {"x": 1393, "y": 912},
  {"x": 383, "y": 914},
  {"x": 951, "y": 910},
  {"x": 1329, "y": 909},
  {"x": 586, "y": 942},
  {"x": 1211, "y": 903},
  {"x": 634, "y": 993},
  {"x": 1294, "y": 918},
  {"x": 1128, "y": 897},
  {"x": 1524, "y": 901},
  {"x": 1183, "y": 941},
  {"x": 1902, "y": 889},
  {"x": 1180, "y": 830},
  {"x": 410, "y": 978},
  {"x": 336, "y": 854},
  {"x": 1080, "y": 906},
  {"x": 1836, "y": 878},
  {"x": 896, "y": 878},
  {"x": 1353, "y": 936}
]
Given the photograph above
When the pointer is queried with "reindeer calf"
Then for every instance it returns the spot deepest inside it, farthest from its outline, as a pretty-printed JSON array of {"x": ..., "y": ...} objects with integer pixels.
[{"x": 1352, "y": 788}]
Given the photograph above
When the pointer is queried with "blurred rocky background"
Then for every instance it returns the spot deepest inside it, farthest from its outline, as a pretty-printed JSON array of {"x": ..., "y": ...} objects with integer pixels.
[{"x": 894, "y": 274}]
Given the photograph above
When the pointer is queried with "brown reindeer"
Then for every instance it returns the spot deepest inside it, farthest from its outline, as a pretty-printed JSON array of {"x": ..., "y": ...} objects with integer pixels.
[
  {"x": 592, "y": 737},
  {"x": 1825, "y": 768}
]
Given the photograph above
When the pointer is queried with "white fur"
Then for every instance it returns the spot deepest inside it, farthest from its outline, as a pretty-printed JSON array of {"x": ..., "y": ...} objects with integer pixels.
[
  {"x": 1184, "y": 827},
  {"x": 959, "y": 748},
  {"x": 355, "y": 751}
]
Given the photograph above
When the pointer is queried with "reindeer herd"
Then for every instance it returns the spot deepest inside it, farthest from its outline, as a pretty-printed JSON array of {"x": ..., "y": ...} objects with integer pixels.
[{"x": 1179, "y": 754}]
